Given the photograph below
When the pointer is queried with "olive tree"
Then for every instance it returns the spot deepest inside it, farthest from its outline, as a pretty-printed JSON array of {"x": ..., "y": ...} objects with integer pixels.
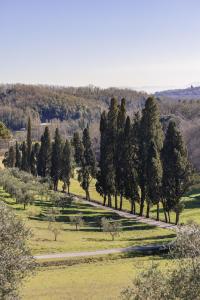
[
  {"x": 16, "y": 261},
  {"x": 181, "y": 280},
  {"x": 77, "y": 221},
  {"x": 112, "y": 227},
  {"x": 55, "y": 227}
]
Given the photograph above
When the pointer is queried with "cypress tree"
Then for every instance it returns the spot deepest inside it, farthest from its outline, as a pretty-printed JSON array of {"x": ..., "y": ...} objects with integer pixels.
[
  {"x": 29, "y": 143},
  {"x": 176, "y": 171},
  {"x": 119, "y": 152},
  {"x": 56, "y": 159},
  {"x": 131, "y": 187},
  {"x": 88, "y": 165},
  {"x": 24, "y": 164},
  {"x": 150, "y": 132},
  {"x": 34, "y": 158},
  {"x": 78, "y": 149},
  {"x": 66, "y": 165},
  {"x": 154, "y": 175},
  {"x": 44, "y": 156},
  {"x": 101, "y": 184},
  {"x": 111, "y": 150},
  {"x": 18, "y": 160}
]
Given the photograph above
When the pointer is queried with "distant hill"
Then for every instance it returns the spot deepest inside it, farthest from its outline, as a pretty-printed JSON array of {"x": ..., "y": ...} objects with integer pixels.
[
  {"x": 192, "y": 93},
  {"x": 71, "y": 109}
]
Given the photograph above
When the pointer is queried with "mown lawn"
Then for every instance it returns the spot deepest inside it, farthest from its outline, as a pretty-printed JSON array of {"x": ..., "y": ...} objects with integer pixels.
[
  {"x": 97, "y": 281},
  {"x": 89, "y": 237},
  {"x": 191, "y": 201}
]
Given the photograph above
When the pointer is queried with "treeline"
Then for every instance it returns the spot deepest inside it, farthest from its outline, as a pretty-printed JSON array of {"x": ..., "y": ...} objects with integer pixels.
[
  {"x": 55, "y": 159},
  {"x": 43, "y": 103},
  {"x": 138, "y": 161}
]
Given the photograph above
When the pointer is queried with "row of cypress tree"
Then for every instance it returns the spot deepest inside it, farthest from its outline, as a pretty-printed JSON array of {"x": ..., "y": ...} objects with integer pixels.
[
  {"x": 55, "y": 159},
  {"x": 140, "y": 162}
]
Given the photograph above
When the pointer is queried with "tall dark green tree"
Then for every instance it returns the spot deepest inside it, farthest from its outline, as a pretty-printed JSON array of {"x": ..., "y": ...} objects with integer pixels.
[
  {"x": 34, "y": 158},
  {"x": 131, "y": 181},
  {"x": 66, "y": 166},
  {"x": 18, "y": 156},
  {"x": 44, "y": 156},
  {"x": 101, "y": 184},
  {"x": 176, "y": 171},
  {"x": 119, "y": 153},
  {"x": 154, "y": 175},
  {"x": 78, "y": 149},
  {"x": 29, "y": 143},
  {"x": 150, "y": 132},
  {"x": 56, "y": 159},
  {"x": 111, "y": 150},
  {"x": 88, "y": 165},
  {"x": 24, "y": 164}
]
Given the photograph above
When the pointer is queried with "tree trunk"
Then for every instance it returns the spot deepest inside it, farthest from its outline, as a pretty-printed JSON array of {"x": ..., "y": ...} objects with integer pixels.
[
  {"x": 24, "y": 206},
  {"x": 115, "y": 201},
  {"x": 148, "y": 210},
  {"x": 169, "y": 217},
  {"x": 158, "y": 212},
  {"x": 121, "y": 202},
  {"x": 55, "y": 186},
  {"x": 177, "y": 218},
  {"x": 165, "y": 214},
  {"x": 109, "y": 201},
  {"x": 142, "y": 201},
  {"x": 87, "y": 195},
  {"x": 104, "y": 200},
  {"x": 68, "y": 189},
  {"x": 133, "y": 206}
]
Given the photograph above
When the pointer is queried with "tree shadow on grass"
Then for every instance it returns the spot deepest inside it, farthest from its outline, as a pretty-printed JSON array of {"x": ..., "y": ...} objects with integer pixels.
[
  {"x": 192, "y": 203},
  {"x": 158, "y": 237}
]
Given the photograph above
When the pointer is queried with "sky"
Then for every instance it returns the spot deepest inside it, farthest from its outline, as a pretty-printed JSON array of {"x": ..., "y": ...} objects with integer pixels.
[{"x": 143, "y": 44}]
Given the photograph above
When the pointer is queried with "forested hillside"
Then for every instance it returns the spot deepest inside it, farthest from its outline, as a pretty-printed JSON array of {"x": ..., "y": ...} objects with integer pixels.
[{"x": 73, "y": 108}]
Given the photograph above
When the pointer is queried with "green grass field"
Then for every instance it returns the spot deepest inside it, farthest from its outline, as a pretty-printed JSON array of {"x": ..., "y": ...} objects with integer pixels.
[
  {"x": 97, "y": 281},
  {"x": 89, "y": 237}
]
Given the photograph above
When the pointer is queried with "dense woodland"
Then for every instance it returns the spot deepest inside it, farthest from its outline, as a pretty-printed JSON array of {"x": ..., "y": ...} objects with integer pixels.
[
  {"x": 138, "y": 160},
  {"x": 71, "y": 109}
]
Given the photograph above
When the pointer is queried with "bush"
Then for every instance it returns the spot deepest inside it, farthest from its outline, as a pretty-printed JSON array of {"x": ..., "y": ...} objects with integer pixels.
[
  {"x": 15, "y": 258},
  {"x": 112, "y": 227},
  {"x": 181, "y": 282},
  {"x": 77, "y": 220}
]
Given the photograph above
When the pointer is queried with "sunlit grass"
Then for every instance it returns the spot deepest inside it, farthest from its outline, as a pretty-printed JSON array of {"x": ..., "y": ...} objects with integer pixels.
[
  {"x": 101, "y": 280},
  {"x": 89, "y": 237}
]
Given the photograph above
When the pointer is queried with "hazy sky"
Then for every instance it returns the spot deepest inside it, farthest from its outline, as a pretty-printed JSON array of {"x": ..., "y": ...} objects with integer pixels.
[{"x": 147, "y": 44}]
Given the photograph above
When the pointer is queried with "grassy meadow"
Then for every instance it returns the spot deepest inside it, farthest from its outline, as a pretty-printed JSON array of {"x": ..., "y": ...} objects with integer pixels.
[
  {"x": 98, "y": 280},
  {"x": 89, "y": 237}
]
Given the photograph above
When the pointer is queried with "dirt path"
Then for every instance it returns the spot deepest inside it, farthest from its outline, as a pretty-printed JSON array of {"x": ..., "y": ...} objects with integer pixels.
[
  {"x": 131, "y": 216},
  {"x": 147, "y": 248}
]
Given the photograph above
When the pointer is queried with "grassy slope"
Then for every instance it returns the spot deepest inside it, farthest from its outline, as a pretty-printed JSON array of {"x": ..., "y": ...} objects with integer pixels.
[
  {"x": 101, "y": 280},
  {"x": 89, "y": 237},
  {"x": 192, "y": 202}
]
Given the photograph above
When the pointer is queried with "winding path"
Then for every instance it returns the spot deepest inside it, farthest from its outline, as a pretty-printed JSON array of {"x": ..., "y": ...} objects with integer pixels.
[{"x": 147, "y": 248}]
